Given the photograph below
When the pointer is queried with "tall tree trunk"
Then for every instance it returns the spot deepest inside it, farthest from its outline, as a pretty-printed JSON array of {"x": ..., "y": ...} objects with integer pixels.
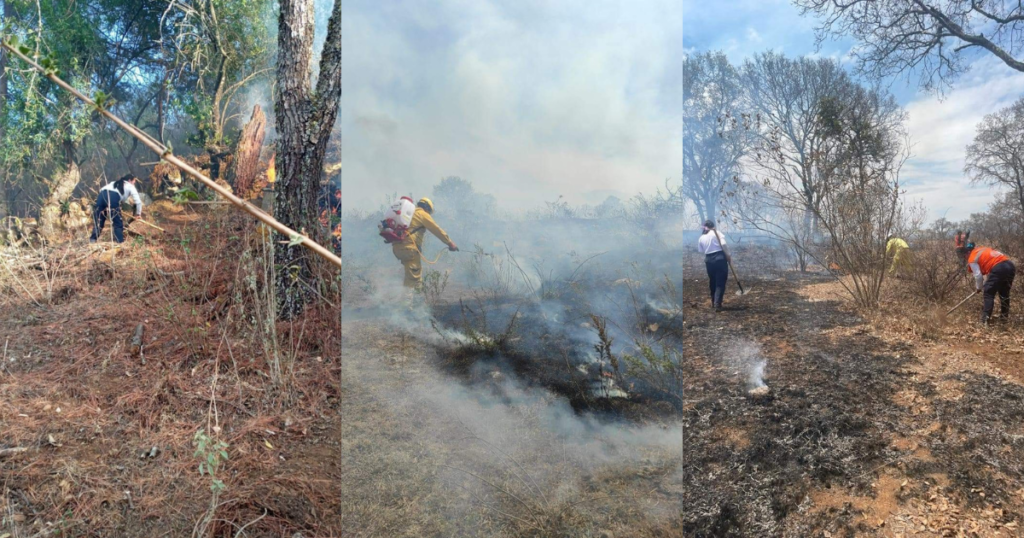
[
  {"x": 247, "y": 155},
  {"x": 304, "y": 118},
  {"x": 217, "y": 113},
  {"x": 6, "y": 13},
  {"x": 161, "y": 118}
]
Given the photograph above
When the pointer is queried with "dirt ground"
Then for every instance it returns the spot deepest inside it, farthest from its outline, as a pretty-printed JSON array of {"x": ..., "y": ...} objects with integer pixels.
[
  {"x": 96, "y": 441},
  {"x": 894, "y": 426}
]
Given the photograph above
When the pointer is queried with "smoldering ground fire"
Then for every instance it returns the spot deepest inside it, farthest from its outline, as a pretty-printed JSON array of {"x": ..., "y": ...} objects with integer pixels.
[{"x": 572, "y": 336}]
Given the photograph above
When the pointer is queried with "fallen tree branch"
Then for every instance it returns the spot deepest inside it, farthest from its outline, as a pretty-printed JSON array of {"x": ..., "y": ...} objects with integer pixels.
[
  {"x": 12, "y": 451},
  {"x": 149, "y": 224}
]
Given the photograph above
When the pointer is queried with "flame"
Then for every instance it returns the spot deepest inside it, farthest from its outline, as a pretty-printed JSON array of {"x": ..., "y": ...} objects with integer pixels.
[{"x": 271, "y": 171}]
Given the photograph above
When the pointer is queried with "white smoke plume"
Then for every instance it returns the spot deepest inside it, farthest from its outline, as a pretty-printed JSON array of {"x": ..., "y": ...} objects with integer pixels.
[{"x": 747, "y": 359}]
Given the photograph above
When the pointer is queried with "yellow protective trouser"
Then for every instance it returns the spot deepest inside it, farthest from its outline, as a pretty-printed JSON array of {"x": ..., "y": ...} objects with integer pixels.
[
  {"x": 900, "y": 262},
  {"x": 410, "y": 258}
]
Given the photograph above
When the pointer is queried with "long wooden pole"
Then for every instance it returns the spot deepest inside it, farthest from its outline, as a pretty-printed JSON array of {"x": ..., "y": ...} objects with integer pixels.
[{"x": 166, "y": 155}]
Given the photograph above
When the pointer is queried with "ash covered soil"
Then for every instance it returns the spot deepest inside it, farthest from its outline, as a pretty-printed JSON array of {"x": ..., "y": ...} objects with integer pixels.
[{"x": 865, "y": 431}]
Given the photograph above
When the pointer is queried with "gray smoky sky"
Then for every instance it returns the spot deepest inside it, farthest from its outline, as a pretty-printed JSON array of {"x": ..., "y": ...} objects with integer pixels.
[{"x": 528, "y": 100}]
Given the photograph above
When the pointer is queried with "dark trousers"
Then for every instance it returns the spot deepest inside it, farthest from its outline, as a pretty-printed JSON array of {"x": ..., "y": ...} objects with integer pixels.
[
  {"x": 108, "y": 204},
  {"x": 1000, "y": 280},
  {"x": 718, "y": 273}
]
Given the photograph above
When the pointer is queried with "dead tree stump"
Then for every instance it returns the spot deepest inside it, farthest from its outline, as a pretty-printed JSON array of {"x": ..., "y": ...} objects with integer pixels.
[{"x": 247, "y": 155}]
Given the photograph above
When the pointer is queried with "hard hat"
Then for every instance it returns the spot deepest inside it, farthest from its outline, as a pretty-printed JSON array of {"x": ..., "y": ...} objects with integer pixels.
[{"x": 428, "y": 203}]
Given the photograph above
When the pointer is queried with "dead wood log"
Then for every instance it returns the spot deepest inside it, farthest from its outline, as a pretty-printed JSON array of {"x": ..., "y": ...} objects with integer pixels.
[
  {"x": 247, "y": 155},
  {"x": 137, "y": 342}
]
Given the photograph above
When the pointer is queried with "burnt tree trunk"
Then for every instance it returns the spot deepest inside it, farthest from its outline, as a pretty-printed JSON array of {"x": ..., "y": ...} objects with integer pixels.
[
  {"x": 304, "y": 118},
  {"x": 247, "y": 156}
]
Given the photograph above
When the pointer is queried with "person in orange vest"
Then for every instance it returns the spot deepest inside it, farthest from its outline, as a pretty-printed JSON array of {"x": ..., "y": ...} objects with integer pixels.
[{"x": 985, "y": 262}]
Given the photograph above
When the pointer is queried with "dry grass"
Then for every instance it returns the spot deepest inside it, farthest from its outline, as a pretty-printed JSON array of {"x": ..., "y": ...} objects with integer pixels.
[{"x": 89, "y": 412}]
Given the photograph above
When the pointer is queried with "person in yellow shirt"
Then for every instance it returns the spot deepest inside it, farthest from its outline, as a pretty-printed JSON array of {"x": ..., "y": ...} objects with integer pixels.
[
  {"x": 900, "y": 252},
  {"x": 410, "y": 250}
]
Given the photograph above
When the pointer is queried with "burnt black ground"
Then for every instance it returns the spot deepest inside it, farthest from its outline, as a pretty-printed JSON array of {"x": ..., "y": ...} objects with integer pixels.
[
  {"x": 835, "y": 411},
  {"x": 548, "y": 340}
]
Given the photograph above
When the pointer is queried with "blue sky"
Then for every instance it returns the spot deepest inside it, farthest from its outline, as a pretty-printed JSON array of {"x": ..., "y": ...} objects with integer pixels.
[
  {"x": 939, "y": 129},
  {"x": 529, "y": 100}
]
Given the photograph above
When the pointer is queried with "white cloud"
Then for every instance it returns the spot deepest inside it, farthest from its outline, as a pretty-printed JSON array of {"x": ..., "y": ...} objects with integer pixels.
[
  {"x": 940, "y": 130},
  {"x": 753, "y": 36}
]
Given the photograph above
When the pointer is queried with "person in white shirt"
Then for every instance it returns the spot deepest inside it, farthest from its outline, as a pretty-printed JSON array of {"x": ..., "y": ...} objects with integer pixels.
[
  {"x": 108, "y": 204},
  {"x": 716, "y": 260}
]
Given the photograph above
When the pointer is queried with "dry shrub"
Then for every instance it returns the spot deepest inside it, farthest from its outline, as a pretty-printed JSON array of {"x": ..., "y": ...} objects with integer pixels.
[{"x": 934, "y": 272}]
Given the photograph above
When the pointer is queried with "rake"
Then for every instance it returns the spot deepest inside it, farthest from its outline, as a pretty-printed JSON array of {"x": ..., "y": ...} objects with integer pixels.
[
  {"x": 731, "y": 268},
  {"x": 961, "y": 303}
]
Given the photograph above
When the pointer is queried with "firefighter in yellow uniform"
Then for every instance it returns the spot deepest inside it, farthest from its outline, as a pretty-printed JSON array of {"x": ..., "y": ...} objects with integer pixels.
[
  {"x": 900, "y": 252},
  {"x": 408, "y": 251}
]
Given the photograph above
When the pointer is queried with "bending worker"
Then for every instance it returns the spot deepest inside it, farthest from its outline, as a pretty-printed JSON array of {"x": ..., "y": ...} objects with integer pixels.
[
  {"x": 985, "y": 261},
  {"x": 108, "y": 204},
  {"x": 900, "y": 252},
  {"x": 410, "y": 250},
  {"x": 712, "y": 245}
]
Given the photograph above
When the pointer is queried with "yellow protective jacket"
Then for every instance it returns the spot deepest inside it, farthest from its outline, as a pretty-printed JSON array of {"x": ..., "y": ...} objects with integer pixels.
[
  {"x": 421, "y": 223},
  {"x": 895, "y": 246},
  {"x": 900, "y": 252}
]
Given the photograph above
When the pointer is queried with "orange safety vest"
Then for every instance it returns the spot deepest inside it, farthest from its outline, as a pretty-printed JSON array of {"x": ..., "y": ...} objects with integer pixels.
[{"x": 986, "y": 258}]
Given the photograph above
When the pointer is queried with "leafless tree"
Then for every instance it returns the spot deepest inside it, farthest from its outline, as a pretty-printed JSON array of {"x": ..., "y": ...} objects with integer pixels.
[
  {"x": 934, "y": 39},
  {"x": 716, "y": 134},
  {"x": 996, "y": 156},
  {"x": 783, "y": 96},
  {"x": 825, "y": 168},
  {"x": 860, "y": 201},
  {"x": 753, "y": 205}
]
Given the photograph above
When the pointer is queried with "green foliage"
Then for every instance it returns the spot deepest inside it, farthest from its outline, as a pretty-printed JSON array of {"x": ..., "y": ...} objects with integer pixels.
[
  {"x": 662, "y": 371},
  {"x": 434, "y": 284},
  {"x": 199, "y": 108},
  {"x": 647, "y": 361},
  {"x": 49, "y": 65},
  {"x": 211, "y": 454},
  {"x": 184, "y": 195},
  {"x": 219, "y": 46}
]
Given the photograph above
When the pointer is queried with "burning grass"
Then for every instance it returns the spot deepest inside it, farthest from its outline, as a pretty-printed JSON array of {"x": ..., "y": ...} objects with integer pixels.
[{"x": 108, "y": 434}]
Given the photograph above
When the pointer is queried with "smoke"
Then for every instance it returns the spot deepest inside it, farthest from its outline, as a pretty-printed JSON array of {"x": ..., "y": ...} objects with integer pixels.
[
  {"x": 544, "y": 273},
  {"x": 599, "y": 117},
  {"x": 756, "y": 378},
  {"x": 500, "y": 409},
  {"x": 746, "y": 358},
  {"x": 486, "y": 410}
]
